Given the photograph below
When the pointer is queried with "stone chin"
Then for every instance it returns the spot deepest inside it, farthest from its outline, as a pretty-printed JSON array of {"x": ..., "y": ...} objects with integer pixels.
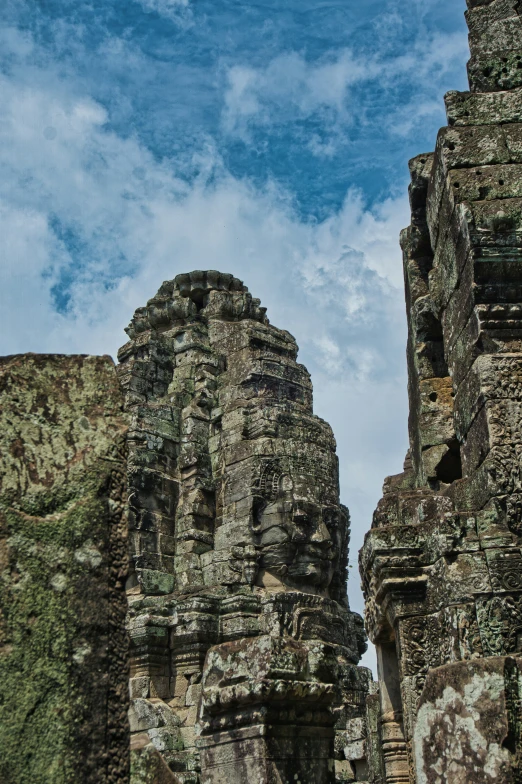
[
  {"x": 308, "y": 571},
  {"x": 312, "y": 570}
]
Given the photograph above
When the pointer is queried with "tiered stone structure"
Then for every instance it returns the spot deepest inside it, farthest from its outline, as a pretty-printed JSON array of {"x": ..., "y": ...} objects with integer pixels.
[
  {"x": 243, "y": 649},
  {"x": 442, "y": 565}
]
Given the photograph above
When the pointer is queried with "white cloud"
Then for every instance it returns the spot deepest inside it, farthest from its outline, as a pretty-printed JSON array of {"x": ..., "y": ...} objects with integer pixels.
[
  {"x": 404, "y": 122},
  {"x": 176, "y": 10},
  {"x": 291, "y": 87}
]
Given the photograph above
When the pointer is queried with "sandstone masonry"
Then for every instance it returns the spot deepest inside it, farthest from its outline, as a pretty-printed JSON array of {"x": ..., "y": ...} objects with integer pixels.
[
  {"x": 243, "y": 648},
  {"x": 442, "y": 565}
]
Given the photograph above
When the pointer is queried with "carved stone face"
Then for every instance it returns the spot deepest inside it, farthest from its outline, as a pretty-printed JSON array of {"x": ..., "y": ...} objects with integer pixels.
[{"x": 300, "y": 540}]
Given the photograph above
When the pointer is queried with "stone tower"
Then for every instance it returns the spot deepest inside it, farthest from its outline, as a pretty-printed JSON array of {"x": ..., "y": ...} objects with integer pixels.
[
  {"x": 244, "y": 650},
  {"x": 442, "y": 565}
]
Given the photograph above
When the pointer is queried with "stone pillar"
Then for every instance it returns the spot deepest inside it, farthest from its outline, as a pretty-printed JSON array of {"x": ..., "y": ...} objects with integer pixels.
[
  {"x": 394, "y": 752},
  {"x": 265, "y": 713}
]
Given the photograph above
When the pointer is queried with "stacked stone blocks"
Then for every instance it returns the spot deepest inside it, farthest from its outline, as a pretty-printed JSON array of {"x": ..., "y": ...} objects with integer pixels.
[
  {"x": 442, "y": 564},
  {"x": 238, "y": 615}
]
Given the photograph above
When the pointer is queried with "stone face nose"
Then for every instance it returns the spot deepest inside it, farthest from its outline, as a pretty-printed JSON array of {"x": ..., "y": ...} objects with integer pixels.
[{"x": 321, "y": 535}]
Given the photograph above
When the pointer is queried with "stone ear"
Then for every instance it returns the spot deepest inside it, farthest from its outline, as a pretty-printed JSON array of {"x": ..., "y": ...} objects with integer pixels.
[
  {"x": 286, "y": 483},
  {"x": 258, "y": 506}
]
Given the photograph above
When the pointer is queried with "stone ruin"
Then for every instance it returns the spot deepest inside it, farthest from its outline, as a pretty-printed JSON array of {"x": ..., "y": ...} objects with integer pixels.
[
  {"x": 442, "y": 565},
  {"x": 174, "y": 523},
  {"x": 243, "y": 650},
  {"x": 202, "y": 452}
]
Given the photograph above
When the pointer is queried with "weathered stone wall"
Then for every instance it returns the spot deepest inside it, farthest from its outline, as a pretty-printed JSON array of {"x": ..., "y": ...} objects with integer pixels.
[
  {"x": 63, "y": 564},
  {"x": 468, "y": 723},
  {"x": 442, "y": 565},
  {"x": 243, "y": 647}
]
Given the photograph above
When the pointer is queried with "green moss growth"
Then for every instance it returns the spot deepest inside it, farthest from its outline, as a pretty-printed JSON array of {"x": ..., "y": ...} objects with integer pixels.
[
  {"x": 61, "y": 461},
  {"x": 148, "y": 767},
  {"x": 45, "y": 640}
]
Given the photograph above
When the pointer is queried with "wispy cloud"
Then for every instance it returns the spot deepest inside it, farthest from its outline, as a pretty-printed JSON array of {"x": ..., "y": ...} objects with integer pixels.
[
  {"x": 178, "y": 11},
  {"x": 291, "y": 88}
]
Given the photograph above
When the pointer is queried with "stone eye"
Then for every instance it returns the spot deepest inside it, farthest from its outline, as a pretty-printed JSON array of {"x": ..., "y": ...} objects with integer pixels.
[{"x": 331, "y": 519}]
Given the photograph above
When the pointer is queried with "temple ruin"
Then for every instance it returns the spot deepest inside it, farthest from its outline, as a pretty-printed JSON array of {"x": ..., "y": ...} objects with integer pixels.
[
  {"x": 442, "y": 566},
  {"x": 240, "y": 630},
  {"x": 173, "y": 548}
]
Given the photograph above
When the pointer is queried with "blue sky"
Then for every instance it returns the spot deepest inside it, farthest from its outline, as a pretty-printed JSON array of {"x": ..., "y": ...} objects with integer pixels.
[{"x": 270, "y": 139}]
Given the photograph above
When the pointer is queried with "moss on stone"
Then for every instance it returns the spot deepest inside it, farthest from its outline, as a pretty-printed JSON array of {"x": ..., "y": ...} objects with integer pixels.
[
  {"x": 57, "y": 505},
  {"x": 148, "y": 767}
]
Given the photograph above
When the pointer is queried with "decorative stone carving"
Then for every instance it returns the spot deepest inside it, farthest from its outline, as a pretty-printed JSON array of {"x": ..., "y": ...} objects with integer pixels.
[
  {"x": 240, "y": 544},
  {"x": 300, "y": 542}
]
